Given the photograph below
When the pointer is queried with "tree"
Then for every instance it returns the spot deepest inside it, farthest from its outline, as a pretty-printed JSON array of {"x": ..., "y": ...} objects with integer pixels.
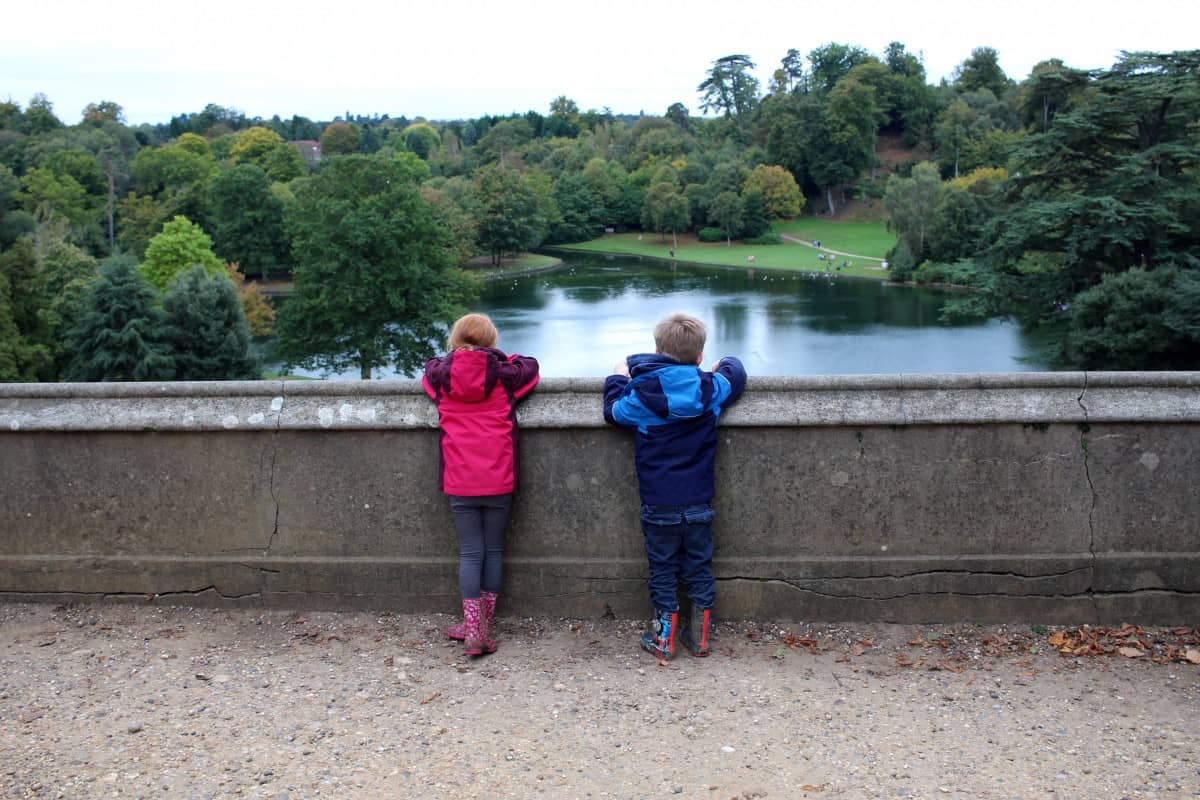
[
  {"x": 26, "y": 337},
  {"x": 340, "y": 139},
  {"x": 104, "y": 111},
  {"x": 982, "y": 71},
  {"x": 665, "y": 209},
  {"x": 205, "y": 329},
  {"x": 247, "y": 219},
  {"x": 141, "y": 217},
  {"x": 422, "y": 138},
  {"x": 678, "y": 114},
  {"x": 912, "y": 203},
  {"x": 375, "y": 281},
  {"x": 952, "y": 133},
  {"x": 1112, "y": 184},
  {"x": 730, "y": 89},
  {"x": 781, "y": 195},
  {"x": 564, "y": 108},
  {"x": 180, "y": 245},
  {"x": 1138, "y": 320},
  {"x": 829, "y": 63},
  {"x": 845, "y": 146},
  {"x": 50, "y": 197},
  {"x": 266, "y": 148},
  {"x": 119, "y": 333},
  {"x": 1051, "y": 87},
  {"x": 513, "y": 218},
  {"x": 259, "y": 313},
  {"x": 726, "y": 212},
  {"x": 39, "y": 115}
]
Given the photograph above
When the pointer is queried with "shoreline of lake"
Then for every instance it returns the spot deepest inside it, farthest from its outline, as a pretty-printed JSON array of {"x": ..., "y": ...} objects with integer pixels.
[{"x": 744, "y": 267}]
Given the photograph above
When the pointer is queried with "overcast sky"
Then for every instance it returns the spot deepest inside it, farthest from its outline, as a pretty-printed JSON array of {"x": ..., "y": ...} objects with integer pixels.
[{"x": 445, "y": 60}]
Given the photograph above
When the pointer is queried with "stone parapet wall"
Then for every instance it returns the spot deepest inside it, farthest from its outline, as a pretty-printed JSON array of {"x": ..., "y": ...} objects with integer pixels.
[{"x": 1048, "y": 497}]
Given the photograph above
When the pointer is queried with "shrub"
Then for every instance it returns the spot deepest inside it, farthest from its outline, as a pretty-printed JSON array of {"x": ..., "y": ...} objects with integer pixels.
[
  {"x": 901, "y": 262},
  {"x": 766, "y": 238},
  {"x": 710, "y": 235}
]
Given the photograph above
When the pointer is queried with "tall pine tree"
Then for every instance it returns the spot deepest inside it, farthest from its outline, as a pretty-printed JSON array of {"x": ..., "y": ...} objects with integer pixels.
[
  {"x": 206, "y": 329},
  {"x": 118, "y": 335}
]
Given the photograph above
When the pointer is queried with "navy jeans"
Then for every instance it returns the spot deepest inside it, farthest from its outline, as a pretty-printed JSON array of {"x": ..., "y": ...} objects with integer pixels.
[
  {"x": 480, "y": 523},
  {"x": 679, "y": 545}
]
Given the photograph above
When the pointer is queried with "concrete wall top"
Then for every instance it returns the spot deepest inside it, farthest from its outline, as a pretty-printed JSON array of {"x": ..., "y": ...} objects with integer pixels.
[{"x": 822, "y": 400}]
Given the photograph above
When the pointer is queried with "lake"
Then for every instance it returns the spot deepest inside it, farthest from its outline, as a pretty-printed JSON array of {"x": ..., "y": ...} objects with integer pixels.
[{"x": 593, "y": 311}]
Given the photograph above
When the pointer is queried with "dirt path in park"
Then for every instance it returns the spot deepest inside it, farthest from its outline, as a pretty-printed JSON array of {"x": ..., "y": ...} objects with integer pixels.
[
  {"x": 823, "y": 249},
  {"x": 150, "y": 702}
]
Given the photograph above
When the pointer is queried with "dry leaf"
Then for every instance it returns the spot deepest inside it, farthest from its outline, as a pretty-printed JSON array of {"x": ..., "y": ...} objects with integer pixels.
[
  {"x": 1130, "y": 652},
  {"x": 1059, "y": 639},
  {"x": 1192, "y": 656}
]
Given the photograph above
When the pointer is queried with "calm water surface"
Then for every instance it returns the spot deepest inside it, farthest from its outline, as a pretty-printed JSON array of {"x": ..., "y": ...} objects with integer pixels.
[{"x": 582, "y": 318}]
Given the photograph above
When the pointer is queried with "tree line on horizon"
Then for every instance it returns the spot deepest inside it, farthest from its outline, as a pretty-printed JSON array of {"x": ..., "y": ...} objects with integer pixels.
[{"x": 1070, "y": 198}]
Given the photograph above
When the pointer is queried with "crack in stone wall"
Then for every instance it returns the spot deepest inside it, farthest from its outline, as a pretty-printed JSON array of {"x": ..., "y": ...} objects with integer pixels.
[
  {"x": 1084, "y": 427},
  {"x": 1090, "y": 594}
]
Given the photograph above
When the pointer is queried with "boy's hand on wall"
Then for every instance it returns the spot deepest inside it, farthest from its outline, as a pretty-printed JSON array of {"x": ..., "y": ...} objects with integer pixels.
[{"x": 621, "y": 368}]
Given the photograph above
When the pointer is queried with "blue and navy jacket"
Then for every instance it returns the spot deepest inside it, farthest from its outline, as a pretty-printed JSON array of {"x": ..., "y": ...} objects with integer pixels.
[{"x": 674, "y": 409}]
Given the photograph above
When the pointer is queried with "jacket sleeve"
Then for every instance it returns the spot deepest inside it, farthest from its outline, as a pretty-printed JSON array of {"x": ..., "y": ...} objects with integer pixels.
[
  {"x": 434, "y": 379},
  {"x": 519, "y": 374},
  {"x": 614, "y": 387},
  {"x": 732, "y": 370}
]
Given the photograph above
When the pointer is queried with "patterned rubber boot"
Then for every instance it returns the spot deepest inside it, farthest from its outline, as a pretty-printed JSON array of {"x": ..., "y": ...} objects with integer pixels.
[
  {"x": 477, "y": 642},
  {"x": 458, "y": 632},
  {"x": 695, "y": 637},
  {"x": 489, "y": 607},
  {"x": 659, "y": 641}
]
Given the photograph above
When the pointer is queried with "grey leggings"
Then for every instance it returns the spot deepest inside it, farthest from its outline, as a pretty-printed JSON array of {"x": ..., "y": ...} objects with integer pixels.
[{"x": 480, "y": 522}]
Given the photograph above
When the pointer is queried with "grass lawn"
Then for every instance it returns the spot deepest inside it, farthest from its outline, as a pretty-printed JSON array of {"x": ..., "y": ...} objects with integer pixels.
[
  {"x": 870, "y": 239},
  {"x": 786, "y": 256}
]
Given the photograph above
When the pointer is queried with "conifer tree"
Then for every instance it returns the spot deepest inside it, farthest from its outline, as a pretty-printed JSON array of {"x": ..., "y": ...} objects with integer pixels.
[
  {"x": 118, "y": 335},
  {"x": 206, "y": 329}
]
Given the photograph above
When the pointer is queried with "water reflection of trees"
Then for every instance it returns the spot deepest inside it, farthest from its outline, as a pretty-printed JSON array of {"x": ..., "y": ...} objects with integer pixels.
[{"x": 820, "y": 303}]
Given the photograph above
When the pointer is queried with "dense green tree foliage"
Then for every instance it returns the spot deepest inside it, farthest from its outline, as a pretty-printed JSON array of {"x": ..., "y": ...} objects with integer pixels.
[
  {"x": 180, "y": 245},
  {"x": 205, "y": 330},
  {"x": 375, "y": 280},
  {"x": 119, "y": 332},
  {"x": 247, "y": 220}
]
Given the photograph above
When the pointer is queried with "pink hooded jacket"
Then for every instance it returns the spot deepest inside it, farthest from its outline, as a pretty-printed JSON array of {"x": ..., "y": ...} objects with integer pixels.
[{"x": 476, "y": 392}]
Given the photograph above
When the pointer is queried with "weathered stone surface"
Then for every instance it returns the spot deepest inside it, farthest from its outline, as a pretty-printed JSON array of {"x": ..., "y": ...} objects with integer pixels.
[{"x": 1054, "y": 497}]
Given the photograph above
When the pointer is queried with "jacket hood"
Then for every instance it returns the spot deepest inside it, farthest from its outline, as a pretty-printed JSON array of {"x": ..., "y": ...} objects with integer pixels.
[
  {"x": 668, "y": 388},
  {"x": 473, "y": 373}
]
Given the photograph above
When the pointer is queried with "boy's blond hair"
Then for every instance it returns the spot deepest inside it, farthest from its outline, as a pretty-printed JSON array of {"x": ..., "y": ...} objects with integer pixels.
[
  {"x": 680, "y": 336},
  {"x": 472, "y": 331}
]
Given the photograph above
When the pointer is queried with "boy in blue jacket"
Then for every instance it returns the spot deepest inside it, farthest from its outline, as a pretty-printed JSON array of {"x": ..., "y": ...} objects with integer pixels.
[{"x": 673, "y": 405}]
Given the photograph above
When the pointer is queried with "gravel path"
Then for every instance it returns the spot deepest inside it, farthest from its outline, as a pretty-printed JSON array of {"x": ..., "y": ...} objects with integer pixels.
[{"x": 144, "y": 701}]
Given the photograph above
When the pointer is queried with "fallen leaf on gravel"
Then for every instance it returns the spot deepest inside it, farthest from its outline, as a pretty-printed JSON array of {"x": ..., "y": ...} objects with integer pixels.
[
  {"x": 796, "y": 642},
  {"x": 1130, "y": 652},
  {"x": 1192, "y": 656},
  {"x": 431, "y": 698},
  {"x": 858, "y": 648},
  {"x": 202, "y": 677},
  {"x": 808, "y": 787}
]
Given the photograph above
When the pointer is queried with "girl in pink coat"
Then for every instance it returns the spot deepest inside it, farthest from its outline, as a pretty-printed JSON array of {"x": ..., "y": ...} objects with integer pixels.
[{"x": 476, "y": 388}]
